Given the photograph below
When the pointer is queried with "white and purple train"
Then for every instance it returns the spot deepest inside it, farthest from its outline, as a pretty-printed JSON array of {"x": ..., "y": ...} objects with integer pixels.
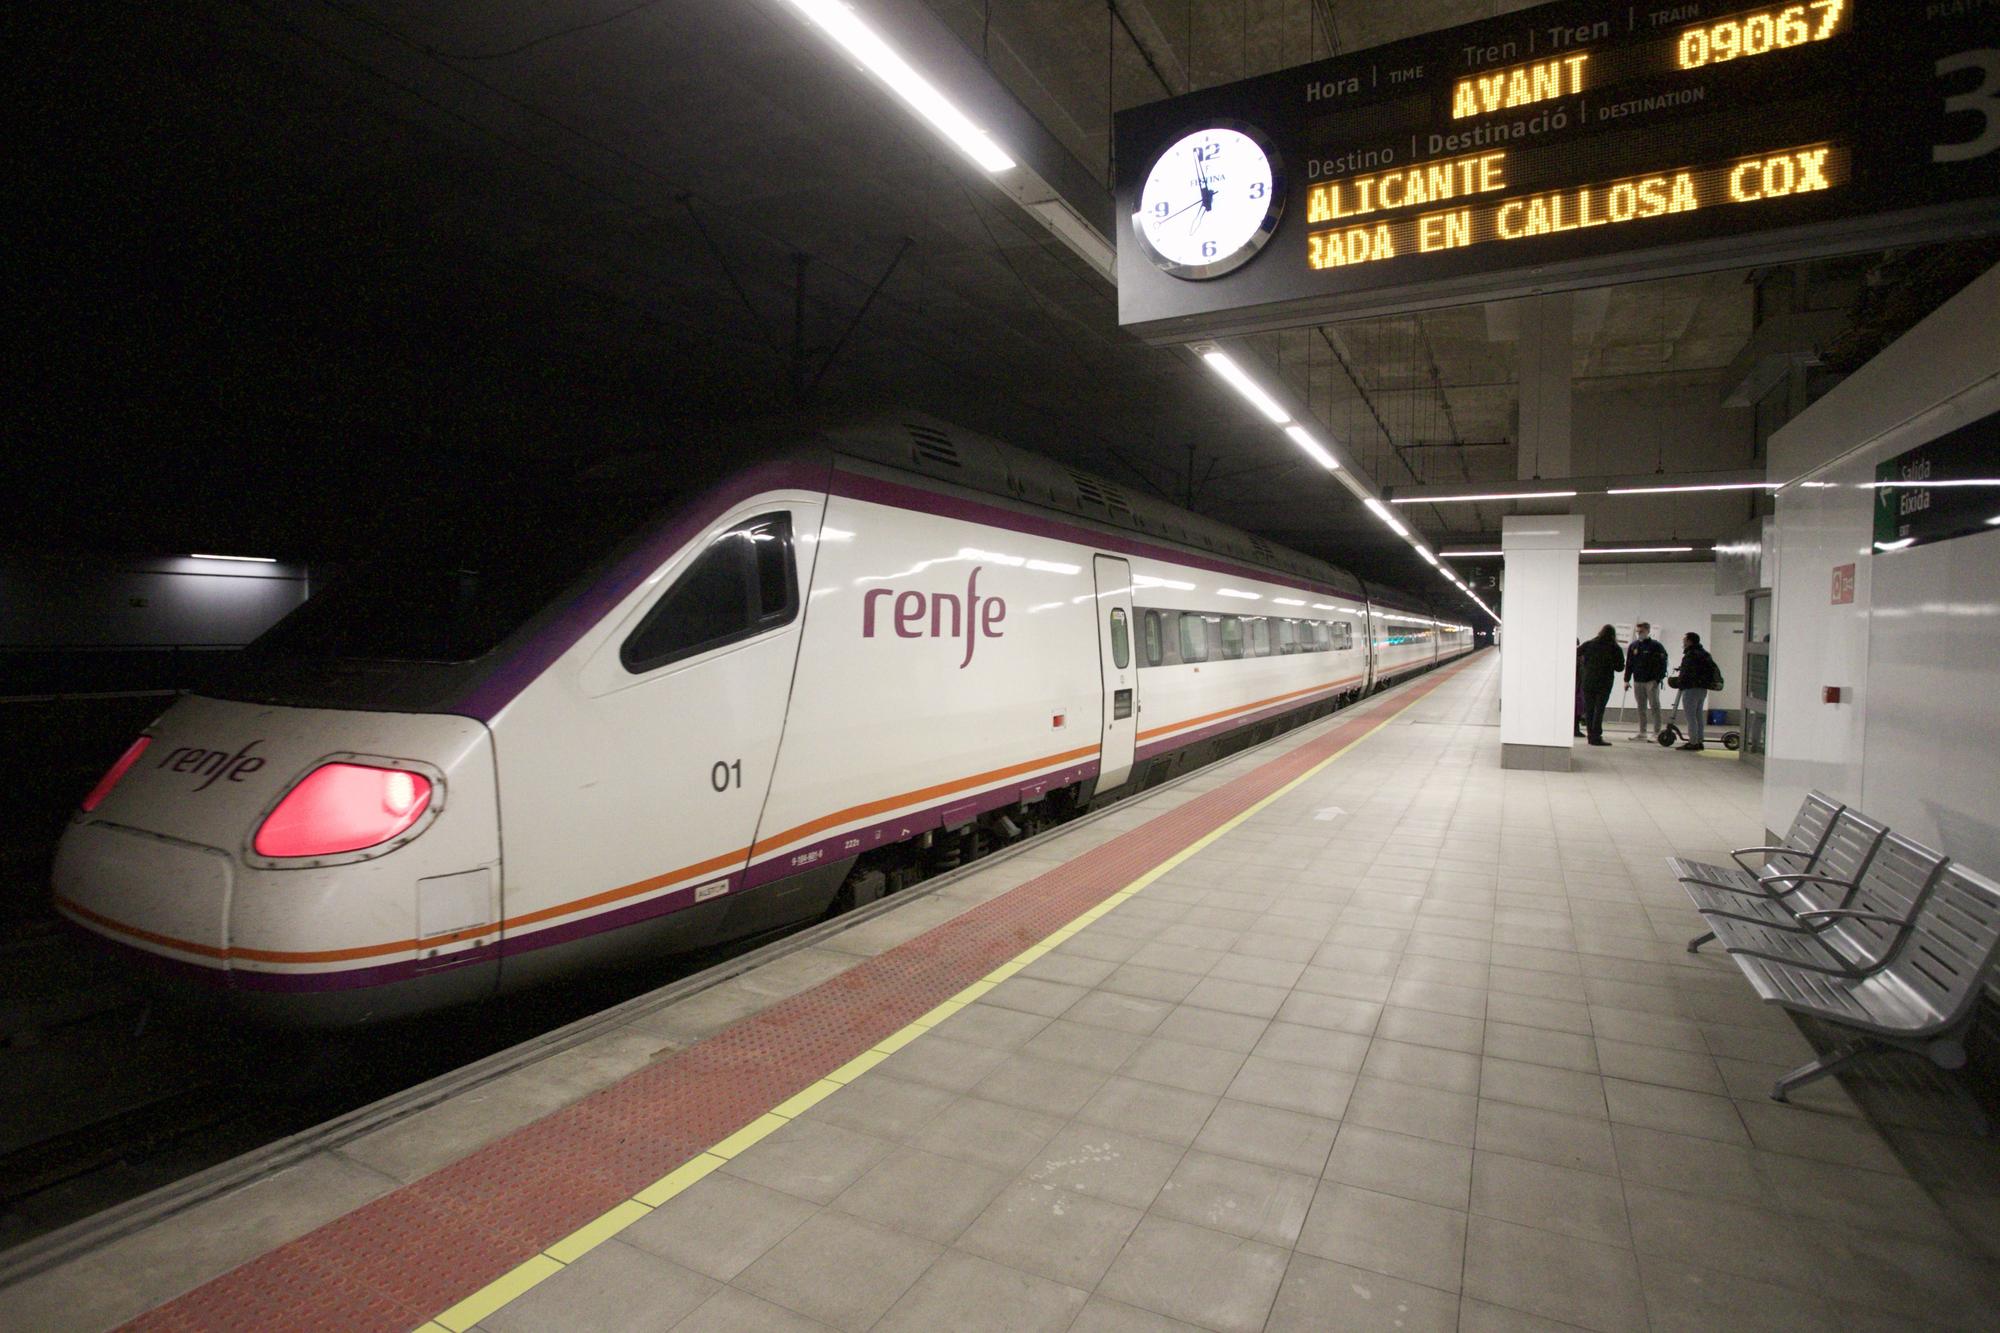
[{"x": 467, "y": 771}]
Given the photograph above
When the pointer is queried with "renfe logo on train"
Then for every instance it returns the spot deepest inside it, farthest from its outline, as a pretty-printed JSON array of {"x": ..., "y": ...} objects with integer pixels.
[
  {"x": 212, "y": 763},
  {"x": 938, "y": 615}
]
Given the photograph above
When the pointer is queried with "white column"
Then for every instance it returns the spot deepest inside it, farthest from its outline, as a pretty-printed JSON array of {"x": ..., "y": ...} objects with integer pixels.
[{"x": 1538, "y": 652}]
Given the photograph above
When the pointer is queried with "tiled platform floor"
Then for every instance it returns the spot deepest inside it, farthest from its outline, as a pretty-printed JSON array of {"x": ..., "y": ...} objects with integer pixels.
[{"x": 1417, "y": 1046}]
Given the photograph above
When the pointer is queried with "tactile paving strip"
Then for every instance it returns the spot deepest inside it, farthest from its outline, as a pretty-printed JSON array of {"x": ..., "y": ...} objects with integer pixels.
[{"x": 395, "y": 1262}]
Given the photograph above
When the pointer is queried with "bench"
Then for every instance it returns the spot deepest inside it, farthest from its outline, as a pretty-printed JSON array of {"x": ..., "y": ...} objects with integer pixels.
[
  {"x": 1834, "y": 872},
  {"x": 1834, "y": 924},
  {"x": 1800, "y": 849},
  {"x": 1921, "y": 997}
]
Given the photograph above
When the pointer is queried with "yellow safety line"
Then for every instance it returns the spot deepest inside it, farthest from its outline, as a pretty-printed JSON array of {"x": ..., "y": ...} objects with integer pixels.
[{"x": 587, "y": 1237}]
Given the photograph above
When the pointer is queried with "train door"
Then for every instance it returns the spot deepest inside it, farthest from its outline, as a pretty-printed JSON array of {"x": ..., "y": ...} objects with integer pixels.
[
  {"x": 1368, "y": 646},
  {"x": 1120, "y": 672}
]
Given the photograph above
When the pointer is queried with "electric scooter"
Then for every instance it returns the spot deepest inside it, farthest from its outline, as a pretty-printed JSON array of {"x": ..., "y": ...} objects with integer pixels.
[{"x": 1670, "y": 735}]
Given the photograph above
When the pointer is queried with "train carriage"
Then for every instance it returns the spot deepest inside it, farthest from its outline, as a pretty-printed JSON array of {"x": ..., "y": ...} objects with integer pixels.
[{"x": 833, "y": 672}]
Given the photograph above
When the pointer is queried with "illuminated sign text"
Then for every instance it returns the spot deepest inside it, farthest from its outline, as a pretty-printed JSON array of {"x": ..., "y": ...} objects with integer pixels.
[
  {"x": 1779, "y": 175},
  {"x": 1523, "y": 85}
]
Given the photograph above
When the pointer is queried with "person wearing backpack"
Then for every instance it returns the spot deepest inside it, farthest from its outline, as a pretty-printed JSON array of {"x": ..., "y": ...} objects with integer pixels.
[
  {"x": 1645, "y": 668},
  {"x": 1697, "y": 675}
]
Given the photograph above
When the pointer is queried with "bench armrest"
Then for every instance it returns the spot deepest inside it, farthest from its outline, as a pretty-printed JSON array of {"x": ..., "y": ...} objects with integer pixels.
[
  {"x": 1769, "y": 854},
  {"x": 1832, "y": 912},
  {"x": 1802, "y": 877}
]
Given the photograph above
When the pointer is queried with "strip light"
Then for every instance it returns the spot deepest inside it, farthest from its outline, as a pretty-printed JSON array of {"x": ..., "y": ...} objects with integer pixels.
[
  {"x": 1588, "y": 550},
  {"x": 1716, "y": 486},
  {"x": 241, "y": 559},
  {"x": 846, "y": 28},
  {"x": 1381, "y": 511},
  {"x": 1470, "y": 499},
  {"x": 1222, "y": 364},
  {"x": 1429, "y": 559},
  {"x": 1314, "y": 449}
]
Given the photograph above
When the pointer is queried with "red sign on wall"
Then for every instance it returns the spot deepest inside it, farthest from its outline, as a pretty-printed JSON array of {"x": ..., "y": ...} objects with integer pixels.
[{"x": 1843, "y": 585}]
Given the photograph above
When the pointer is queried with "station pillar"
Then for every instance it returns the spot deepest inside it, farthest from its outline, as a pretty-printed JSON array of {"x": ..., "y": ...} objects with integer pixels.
[{"x": 1538, "y": 651}]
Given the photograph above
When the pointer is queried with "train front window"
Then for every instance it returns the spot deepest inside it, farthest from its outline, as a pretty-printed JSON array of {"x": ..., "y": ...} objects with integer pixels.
[{"x": 741, "y": 585}]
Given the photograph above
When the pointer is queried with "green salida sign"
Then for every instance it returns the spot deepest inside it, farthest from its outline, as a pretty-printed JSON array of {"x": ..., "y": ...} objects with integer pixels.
[{"x": 1947, "y": 488}]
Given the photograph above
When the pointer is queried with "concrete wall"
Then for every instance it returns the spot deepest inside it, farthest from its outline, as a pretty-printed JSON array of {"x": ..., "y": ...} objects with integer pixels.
[
  {"x": 83, "y": 602},
  {"x": 1915, "y": 739},
  {"x": 1674, "y": 598}
]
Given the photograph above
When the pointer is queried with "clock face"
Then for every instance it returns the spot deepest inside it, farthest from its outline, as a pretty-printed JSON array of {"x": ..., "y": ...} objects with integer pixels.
[{"x": 1210, "y": 203}]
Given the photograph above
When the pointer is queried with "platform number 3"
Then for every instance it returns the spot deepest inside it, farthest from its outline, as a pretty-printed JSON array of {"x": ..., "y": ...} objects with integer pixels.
[{"x": 1984, "y": 99}]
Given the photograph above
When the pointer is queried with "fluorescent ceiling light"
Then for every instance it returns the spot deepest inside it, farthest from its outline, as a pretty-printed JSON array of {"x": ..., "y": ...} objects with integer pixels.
[
  {"x": 241, "y": 559},
  {"x": 1381, "y": 511},
  {"x": 1634, "y": 550},
  {"x": 1314, "y": 449},
  {"x": 1454, "y": 555},
  {"x": 1221, "y": 364},
  {"x": 1896, "y": 545},
  {"x": 1468, "y": 499},
  {"x": 1717, "y": 486},
  {"x": 1993, "y": 522},
  {"x": 840, "y": 22},
  {"x": 1428, "y": 557}
]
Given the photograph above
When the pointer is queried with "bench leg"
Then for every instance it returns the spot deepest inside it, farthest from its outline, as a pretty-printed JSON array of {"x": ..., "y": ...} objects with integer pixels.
[
  {"x": 1817, "y": 1069},
  {"x": 1694, "y": 945}
]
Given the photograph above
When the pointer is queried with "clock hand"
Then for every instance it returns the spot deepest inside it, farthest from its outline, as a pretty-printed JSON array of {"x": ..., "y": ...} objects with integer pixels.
[{"x": 1178, "y": 211}]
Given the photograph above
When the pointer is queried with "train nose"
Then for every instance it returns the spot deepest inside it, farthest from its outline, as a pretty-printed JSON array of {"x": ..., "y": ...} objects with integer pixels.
[
  {"x": 297, "y": 856},
  {"x": 106, "y": 875}
]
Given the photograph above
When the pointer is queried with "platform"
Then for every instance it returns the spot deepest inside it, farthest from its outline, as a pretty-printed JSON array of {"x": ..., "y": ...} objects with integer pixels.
[{"x": 1352, "y": 1031}]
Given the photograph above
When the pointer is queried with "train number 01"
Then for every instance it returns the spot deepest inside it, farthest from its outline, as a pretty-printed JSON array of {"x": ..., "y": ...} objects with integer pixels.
[{"x": 727, "y": 773}]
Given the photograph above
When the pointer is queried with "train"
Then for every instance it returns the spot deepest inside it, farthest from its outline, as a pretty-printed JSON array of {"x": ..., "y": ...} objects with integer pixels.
[{"x": 793, "y": 671}]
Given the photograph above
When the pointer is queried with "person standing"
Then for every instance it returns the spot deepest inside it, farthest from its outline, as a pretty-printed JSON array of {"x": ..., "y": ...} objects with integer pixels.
[
  {"x": 1598, "y": 664},
  {"x": 1576, "y": 716},
  {"x": 1645, "y": 668},
  {"x": 1696, "y": 676}
]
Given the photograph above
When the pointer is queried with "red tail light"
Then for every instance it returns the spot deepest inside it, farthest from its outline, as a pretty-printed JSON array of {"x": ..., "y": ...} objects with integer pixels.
[
  {"x": 344, "y": 808},
  {"x": 115, "y": 772}
]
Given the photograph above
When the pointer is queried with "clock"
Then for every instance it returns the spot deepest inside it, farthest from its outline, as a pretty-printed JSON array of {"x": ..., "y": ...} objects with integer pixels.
[{"x": 1210, "y": 202}]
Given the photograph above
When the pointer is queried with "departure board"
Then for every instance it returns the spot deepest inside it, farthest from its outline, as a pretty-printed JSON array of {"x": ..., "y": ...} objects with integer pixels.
[{"x": 1567, "y": 145}]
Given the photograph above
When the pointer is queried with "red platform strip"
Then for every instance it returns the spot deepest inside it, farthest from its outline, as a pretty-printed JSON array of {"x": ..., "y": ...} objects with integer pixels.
[{"x": 397, "y": 1262}]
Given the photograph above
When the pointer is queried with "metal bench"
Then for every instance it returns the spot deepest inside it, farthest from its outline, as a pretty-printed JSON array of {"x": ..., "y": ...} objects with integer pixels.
[
  {"x": 1830, "y": 880},
  {"x": 1799, "y": 851},
  {"x": 1831, "y": 925},
  {"x": 1921, "y": 998}
]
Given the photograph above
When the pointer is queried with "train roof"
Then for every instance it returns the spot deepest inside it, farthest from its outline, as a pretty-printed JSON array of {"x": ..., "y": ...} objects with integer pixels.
[{"x": 914, "y": 442}]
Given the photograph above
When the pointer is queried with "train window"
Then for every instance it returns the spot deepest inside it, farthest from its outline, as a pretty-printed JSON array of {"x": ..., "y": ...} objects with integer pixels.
[
  {"x": 1288, "y": 636},
  {"x": 1260, "y": 636},
  {"x": 1194, "y": 637},
  {"x": 1152, "y": 637},
  {"x": 743, "y": 584},
  {"x": 1343, "y": 636},
  {"x": 1232, "y": 637},
  {"x": 1121, "y": 639}
]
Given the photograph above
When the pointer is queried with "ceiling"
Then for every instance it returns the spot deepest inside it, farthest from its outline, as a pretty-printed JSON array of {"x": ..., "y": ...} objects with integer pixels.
[{"x": 293, "y": 264}]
